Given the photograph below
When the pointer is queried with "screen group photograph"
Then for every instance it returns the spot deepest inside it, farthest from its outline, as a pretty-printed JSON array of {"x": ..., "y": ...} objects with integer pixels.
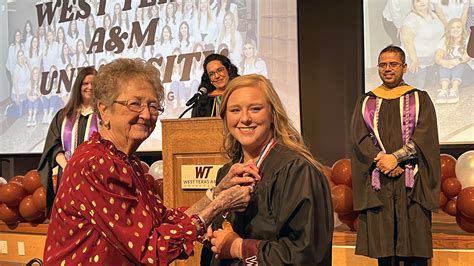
[{"x": 237, "y": 132}]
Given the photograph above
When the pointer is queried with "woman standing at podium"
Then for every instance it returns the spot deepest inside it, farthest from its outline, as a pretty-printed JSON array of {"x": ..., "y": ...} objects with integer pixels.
[
  {"x": 105, "y": 213},
  {"x": 218, "y": 72},
  {"x": 289, "y": 220}
]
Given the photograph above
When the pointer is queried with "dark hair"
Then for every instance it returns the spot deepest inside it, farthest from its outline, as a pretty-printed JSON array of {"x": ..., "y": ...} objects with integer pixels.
[
  {"x": 219, "y": 6},
  {"x": 394, "y": 49},
  {"x": 231, "y": 68},
  {"x": 24, "y": 35},
  {"x": 180, "y": 36},
  {"x": 65, "y": 58},
  {"x": 14, "y": 36},
  {"x": 75, "y": 100},
  {"x": 31, "y": 52},
  {"x": 70, "y": 33},
  {"x": 167, "y": 27},
  {"x": 64, "y": 34}
]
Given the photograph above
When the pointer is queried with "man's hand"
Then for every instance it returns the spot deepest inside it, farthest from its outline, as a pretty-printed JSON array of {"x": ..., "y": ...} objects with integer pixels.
[
  {"x": 396, "y": 172},
  {"x": 385, "y": 162}
]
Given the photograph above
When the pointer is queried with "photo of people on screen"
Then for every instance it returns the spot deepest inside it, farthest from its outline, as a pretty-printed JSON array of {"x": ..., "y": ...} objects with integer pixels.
[
  {"x": 435, "y": 36},
  {"x": 176, "y": 35}
]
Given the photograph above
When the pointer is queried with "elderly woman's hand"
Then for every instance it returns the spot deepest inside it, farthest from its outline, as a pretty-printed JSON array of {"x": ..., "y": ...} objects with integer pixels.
[
  {"x": 234, "y": 198},
  {"x": 239, "y": 174}
]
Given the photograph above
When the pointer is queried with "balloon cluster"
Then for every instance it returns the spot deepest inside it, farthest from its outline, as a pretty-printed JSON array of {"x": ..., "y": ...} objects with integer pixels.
[
  {"x": 23, "y": 198},
  {"x": 457, "y": 188},
  {"x": 340, "y": 181},
  {"x": 154, "y": 176}
]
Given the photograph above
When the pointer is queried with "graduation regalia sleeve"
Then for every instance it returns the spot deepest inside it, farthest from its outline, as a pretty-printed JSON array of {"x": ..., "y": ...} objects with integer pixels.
[
  {"x": 203, "y": 106},
  {"x": 303, "y": 210},
  {"x": 425, "y": 137},
  {"x": 52, "y": 147},
  {"x": 362, "y": 159}
]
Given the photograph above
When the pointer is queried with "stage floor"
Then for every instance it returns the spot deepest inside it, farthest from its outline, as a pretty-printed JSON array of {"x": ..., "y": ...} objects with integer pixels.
[{"x": 452, "y": 246}]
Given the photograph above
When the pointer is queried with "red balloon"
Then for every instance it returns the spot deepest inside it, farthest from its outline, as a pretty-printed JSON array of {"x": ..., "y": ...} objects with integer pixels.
[
  {"x": 466, "y": 224},
  {"x": 448, "y": 164},
  {"x": 442, "y": 200},
  {"x": 327, "y": 171},
  {"x": 17, "y": 179},
  {"x": 342, "y": 172},
  {"x": 145, "y": 166},
  {"x": 158, "y": 187},
  {"x": 55, "y": 181},
  {"x": 342, "y": 199},
  {"x": 451, "y": 187},
  {"x": 12, "y": 193},
  {"x": 32, "y": 181},
  {"x": 450, "y": 207},
  {"x": 355, "y": 224},
  {"x": 9, "y": 215},
  {"x": 149, "y": 180},
  {"x": 39, "y": 199},
  {"x": 465, "y": 202},
  {"x": 348, "y": 218},
  {"x": 28, "y": 210},
  {"x": 40, "y": 219}
]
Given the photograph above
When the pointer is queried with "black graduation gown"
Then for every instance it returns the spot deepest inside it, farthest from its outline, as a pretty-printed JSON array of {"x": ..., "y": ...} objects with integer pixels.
[
  {"x": 395, "y": 221},
  {"x": 53, "y": 145},
  {"x": 203, "y": 106},
  {"x": 290, "y": 211}
]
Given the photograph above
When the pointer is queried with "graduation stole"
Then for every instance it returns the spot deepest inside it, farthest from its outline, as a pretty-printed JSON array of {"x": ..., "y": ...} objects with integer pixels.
[
  {"x": 69, "y": 131},
  {"x": 263, "y": 154},
  {"x": 216, "y": 106},
  {"x": 409, "y": 111}
]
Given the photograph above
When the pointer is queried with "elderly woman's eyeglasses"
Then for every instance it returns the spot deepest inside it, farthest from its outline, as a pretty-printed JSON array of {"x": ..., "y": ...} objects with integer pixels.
[
  {"x": 219, "y": 71},
  {"x": 137, "y": 106},
  {"x": 392, "y": 65}
]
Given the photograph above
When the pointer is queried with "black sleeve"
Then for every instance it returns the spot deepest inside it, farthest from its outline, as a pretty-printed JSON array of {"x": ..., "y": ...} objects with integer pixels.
[
  {"x": 303, "y": 210},
  {"x": 425, "y": 137},
  {"x": 362, "y": 160},
  {"x": 203, "y": 106},
  {"x": 52, "y": 147}
]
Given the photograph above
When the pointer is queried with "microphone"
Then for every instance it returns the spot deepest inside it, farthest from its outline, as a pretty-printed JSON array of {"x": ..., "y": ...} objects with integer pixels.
[{"x": 201, "y": 91}]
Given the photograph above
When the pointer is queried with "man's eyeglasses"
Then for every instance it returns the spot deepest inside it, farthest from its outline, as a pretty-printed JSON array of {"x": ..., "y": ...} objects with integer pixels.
[
  {"x": 392, "y": 65},
  {"x": 137, "y": 106},
  {"x": 218, "y": 71}
]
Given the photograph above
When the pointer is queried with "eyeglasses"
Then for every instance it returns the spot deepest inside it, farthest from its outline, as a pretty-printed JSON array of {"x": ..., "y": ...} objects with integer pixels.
[
  {"x": 392, "y": 65},
  {"x": 218, "y": 71},
  {"x": 137, "y": 106}
]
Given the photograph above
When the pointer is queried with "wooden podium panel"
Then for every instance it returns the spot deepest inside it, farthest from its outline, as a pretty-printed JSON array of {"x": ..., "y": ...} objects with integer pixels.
[
  {"x": 191, "y": 141},
  {"x": 30, "y": 237}
]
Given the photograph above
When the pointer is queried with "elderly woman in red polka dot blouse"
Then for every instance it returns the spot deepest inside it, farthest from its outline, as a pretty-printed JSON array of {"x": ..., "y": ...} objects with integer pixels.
[{"x": 104, "y": 212}]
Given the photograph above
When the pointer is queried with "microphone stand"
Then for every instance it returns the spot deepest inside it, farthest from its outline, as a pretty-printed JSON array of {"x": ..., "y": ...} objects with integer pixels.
[{"x": 187, "y": 110}]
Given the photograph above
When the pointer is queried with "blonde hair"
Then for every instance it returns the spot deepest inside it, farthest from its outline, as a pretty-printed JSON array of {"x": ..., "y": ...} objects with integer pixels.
[
  {"x": 232, "y": 31},
  {"x": 450, "y": 42},
  {"x": 283, "y": 129}
]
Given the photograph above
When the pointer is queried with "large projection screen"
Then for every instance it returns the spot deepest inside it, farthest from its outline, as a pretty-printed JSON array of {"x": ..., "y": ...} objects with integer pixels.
[
  {"x": 436, "y": 57},
  {"x": 259, "y": 36}
]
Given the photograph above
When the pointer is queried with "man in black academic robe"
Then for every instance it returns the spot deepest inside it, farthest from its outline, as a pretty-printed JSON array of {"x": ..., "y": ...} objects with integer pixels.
[{"x": 395, "y": 167}]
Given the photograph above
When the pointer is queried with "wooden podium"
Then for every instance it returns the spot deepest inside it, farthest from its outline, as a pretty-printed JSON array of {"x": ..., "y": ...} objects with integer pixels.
[{"x": 191, "y": 141}]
